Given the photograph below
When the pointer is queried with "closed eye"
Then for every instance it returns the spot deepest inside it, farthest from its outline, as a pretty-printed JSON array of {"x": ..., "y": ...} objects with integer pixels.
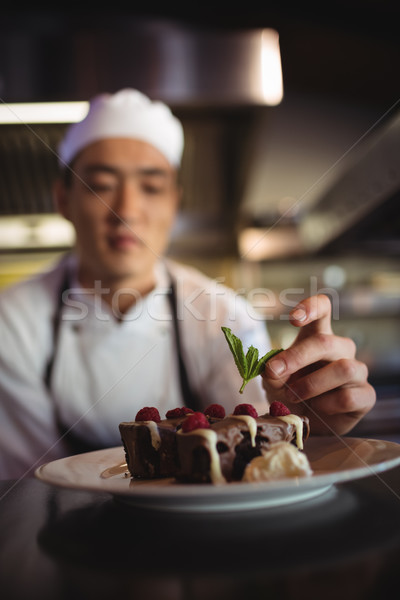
[
  {"x": 153, "y": 188},
  {"x": 101, "y": 187}
]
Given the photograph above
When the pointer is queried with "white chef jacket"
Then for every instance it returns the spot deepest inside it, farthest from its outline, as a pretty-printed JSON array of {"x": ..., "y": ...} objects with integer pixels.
[{"x": 105, "y": 369}]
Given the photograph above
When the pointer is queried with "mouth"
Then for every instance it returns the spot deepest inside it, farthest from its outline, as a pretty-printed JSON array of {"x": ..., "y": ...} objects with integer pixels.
[{"x": 124, "y": 241}]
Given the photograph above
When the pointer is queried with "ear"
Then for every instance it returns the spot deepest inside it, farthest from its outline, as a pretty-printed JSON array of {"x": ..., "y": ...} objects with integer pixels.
[{"x": 60, "y": 198}]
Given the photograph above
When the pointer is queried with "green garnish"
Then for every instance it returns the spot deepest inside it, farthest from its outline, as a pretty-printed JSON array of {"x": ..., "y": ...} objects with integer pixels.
[{"x": 249, "y": 365}]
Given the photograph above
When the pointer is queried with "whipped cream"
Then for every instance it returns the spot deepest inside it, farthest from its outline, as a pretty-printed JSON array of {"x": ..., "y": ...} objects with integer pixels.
[{"x": 282, "y": 460}]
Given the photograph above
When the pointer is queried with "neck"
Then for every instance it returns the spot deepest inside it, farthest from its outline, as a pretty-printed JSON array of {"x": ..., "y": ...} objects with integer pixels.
[{"x": 120, "y": 293}]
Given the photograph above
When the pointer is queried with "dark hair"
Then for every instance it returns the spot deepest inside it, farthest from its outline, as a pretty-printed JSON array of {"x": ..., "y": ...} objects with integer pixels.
[{"x": 66, "y": 176}]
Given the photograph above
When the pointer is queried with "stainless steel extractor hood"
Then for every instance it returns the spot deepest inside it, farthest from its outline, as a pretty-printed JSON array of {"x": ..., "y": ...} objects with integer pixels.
[
  {"x": 361, "y": 208},
  {"x": 168, "y": 60}
]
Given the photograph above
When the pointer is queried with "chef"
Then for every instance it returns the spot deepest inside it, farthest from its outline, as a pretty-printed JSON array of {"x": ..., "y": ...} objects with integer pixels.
[{"x": 115, "y": 326}]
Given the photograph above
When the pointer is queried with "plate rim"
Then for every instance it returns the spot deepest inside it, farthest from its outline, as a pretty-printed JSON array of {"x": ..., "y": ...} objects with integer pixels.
[{"x": 229, "y": 494}]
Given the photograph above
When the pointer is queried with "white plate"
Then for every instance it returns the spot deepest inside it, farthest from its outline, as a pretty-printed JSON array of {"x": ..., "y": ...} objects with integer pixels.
[{"x": 333, "y": 460}]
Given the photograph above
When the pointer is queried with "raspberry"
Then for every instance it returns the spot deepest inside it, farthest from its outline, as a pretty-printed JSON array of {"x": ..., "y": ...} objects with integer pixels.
[
  {"x": 148, "y": 413},
  {"x": 175, "y": 413},
  {"x": 196, "y": 420},
  {"x": 215, "y": 410},
  {"x": 277, "y": 409},
  {"x": 245, "y": 409}
]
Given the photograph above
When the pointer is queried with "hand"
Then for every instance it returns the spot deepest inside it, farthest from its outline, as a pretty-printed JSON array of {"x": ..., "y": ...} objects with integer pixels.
[{"x": 319, "y": 376}]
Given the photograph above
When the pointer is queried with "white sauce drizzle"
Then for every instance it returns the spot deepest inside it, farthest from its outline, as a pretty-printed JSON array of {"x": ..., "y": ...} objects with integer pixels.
[
  {"x": 298, "y": 423},
  {"x": 211, "y": 438},
  {"x": 154, "y": 433},
  {"x": 251, "y": 424}
]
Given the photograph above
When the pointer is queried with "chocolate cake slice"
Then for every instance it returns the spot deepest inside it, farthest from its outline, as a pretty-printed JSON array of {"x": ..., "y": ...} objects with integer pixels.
[
  {"x": 196, "y": 447},
  {"x": 221, "y": 453},
  {"x": 150, "y": 447}
]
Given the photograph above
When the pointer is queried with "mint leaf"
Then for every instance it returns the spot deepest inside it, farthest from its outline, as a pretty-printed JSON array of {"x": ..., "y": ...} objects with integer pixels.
[
  {"x": 251, "y": 359},
  {"x": 261, "y": 363},
  {"x": 249, "y": 365},
  {"x": 236, "y": 348}
]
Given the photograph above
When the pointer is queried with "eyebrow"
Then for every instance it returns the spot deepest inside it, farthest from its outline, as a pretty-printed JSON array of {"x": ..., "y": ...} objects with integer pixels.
[{"x": 146, "y": 171}]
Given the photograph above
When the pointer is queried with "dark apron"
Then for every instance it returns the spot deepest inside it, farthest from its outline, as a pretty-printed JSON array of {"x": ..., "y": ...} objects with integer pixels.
[{"x": 75, "y": 443}]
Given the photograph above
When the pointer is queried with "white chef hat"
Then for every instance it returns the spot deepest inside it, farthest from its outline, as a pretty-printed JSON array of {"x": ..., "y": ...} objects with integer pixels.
[{"x": 129, "y": 114}]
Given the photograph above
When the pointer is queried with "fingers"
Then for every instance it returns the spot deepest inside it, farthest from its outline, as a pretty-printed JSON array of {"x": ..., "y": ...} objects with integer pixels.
[
  {"x": 336, "y": 411},
  {"x": 338, "y": 374},
  {"x": 340, "y": 410},
  {"x": 314, "y": 342},
  {"x": 318, "y": 375},
  {"x": 314, "y": 314},
  {"x": 309, "y": 350},
  {"x": 313, "y": 382}
]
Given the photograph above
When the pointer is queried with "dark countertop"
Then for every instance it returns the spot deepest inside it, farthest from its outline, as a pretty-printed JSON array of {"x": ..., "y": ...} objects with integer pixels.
[{"x": 57, "y": 543}]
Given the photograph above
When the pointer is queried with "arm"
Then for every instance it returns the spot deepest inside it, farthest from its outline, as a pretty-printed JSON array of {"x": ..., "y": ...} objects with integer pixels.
[
  {"x": 29, "y": 434},
  {"x": 319, "y": 375}
]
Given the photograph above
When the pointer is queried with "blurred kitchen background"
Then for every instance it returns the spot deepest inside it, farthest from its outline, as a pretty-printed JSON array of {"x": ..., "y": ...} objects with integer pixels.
[{"x": 284, "y": 194}]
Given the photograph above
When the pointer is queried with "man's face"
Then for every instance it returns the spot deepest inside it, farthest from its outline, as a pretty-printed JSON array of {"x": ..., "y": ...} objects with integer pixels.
[{"x": 122, "y": 202}]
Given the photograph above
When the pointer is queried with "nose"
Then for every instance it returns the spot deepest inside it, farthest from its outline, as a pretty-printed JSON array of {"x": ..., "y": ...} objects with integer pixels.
[{"x": 128, "y": 204}]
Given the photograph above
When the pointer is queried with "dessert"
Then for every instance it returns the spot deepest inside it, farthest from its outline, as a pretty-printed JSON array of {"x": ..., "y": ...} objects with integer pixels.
[
  {"x": 280, "y": 461},
  {"x": 209, "y": 447},
  {"x": 150, "y": 443}
]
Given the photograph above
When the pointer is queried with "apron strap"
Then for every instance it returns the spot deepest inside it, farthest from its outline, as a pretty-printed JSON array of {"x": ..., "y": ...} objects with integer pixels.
[
  {"x": 190, "y": 399},
  {"x": 55, "y": 330}
]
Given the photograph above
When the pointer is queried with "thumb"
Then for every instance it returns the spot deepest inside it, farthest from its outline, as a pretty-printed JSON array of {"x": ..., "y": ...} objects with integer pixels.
[{"x": 313, "y": 315}]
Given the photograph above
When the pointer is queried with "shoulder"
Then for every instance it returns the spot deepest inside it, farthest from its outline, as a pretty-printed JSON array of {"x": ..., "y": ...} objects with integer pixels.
[
  {"x": 209, "y": 301},
  {"x": 199, "y": 290},
  {"x": 31, "y": 301},
  {"x": 188, "y": 276}
]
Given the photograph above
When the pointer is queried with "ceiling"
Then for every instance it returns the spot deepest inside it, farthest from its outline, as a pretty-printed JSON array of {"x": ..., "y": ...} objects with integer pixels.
[{"x": 349, "y": 51}]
